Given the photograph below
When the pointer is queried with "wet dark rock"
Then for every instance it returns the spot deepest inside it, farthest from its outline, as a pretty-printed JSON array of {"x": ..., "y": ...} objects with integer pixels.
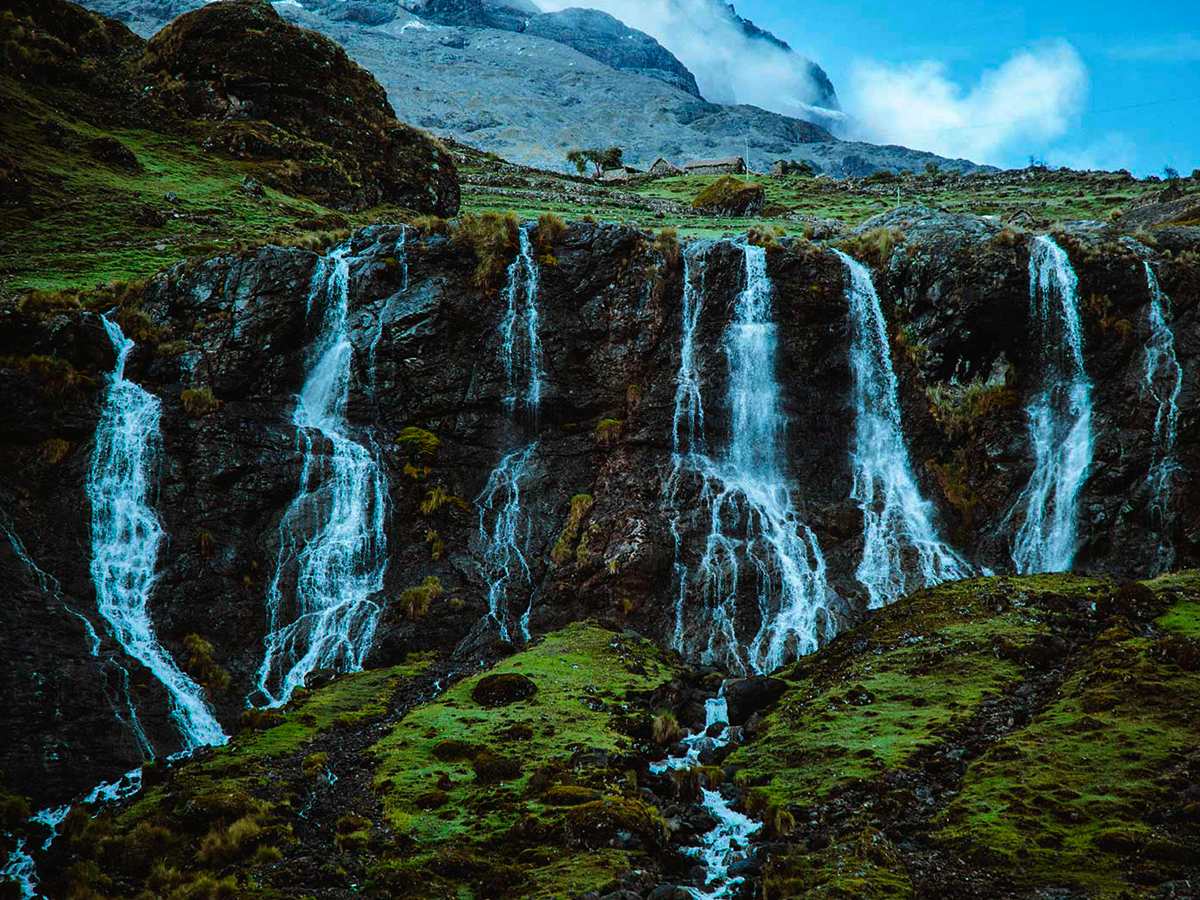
[{"x": 747, "y": 696}]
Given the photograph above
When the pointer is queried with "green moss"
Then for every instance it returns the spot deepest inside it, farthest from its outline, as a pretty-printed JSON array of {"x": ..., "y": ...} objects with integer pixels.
[
  {"x": 584, "y": 675},
  {"x": 415, "y": 601},
  {"x": 198, "y": 402},
  {"x": 564, "y": 547}
]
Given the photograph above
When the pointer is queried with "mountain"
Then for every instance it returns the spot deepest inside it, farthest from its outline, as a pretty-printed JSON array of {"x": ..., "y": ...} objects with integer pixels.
[{"x": 531, "y": 86}]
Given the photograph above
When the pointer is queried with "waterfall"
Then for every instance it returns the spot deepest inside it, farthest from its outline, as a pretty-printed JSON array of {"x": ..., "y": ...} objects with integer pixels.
[
  {"x": 754, "y": 531},
  {"x": 503, "y": 540},
  {"x": 501, "y": 534},
  {"x": 1163, "y": 381},
  {"x": 1059, "y": 416},
  {"x": 332, "y": 538},
  {"x": 126, "y": 536},
  {"x": 520, "y": 346},
  {"x": 901, "y": 546}
]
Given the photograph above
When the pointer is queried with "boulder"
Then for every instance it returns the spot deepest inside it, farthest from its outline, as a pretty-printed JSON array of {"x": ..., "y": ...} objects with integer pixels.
[
  {"x": 747, "y": 696},
  {"x": 503, "y": 689}
]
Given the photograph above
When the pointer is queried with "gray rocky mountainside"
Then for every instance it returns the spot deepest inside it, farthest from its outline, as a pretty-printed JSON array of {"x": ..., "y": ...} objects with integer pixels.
[{"x": 529, "y": 86}]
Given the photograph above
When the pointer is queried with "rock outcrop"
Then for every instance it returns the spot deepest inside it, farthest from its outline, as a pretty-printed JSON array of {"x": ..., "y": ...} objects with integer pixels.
[{"x": 429, "y": 389}]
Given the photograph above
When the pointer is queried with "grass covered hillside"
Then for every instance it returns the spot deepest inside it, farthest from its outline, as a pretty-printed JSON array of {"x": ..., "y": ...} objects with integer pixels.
[
  {"x": 119, "y": 157},
  {"x": 1027, "y": 736}
]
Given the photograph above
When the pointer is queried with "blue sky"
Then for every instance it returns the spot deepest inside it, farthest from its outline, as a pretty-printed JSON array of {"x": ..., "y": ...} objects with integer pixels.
[{"x": 1108, "y": 63}]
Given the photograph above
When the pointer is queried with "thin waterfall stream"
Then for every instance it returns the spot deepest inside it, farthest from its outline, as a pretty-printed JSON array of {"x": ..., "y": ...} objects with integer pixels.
[
  {"x": 901, "y": 545},
  {"x": 1059, "y": 416},
  {"x": 754, "y": 530},
  {"x": 332, "y": 537},
  {"x": 1163, "y": 381},
  {"x": 503, "y": 529}
]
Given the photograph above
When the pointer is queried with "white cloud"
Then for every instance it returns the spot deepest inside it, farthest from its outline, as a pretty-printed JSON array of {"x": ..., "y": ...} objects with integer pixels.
[
  {"x": 729, "y": 67},
  {"x": 1015, "y": 109}
]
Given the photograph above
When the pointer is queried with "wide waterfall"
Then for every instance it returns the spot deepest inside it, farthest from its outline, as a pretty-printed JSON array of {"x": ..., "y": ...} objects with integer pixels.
[
  {"x": 1059, "y": 416},
  {"x": 503, "y": 535},
  {"x": 901, "y": 546},
  {"x": 126, "y": 536},
  {"x": 755, "y": 534},
  {"x": 332, "y": 539},
  {"x": 1163, "y": 381}
]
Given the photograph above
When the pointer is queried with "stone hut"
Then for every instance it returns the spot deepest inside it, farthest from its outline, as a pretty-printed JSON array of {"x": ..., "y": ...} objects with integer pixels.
[
  {"x": 663, "y": 168},
  {"x": 733, "y": 165}
]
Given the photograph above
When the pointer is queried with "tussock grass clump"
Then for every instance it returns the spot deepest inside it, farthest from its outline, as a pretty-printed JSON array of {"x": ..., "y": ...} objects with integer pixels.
[
  {"x": 419, "y": 443},
  {"x": 665, "y": 728},
  {"x": 54, "y": 376},
  {"x": 223, "y": 845},
  {"x": 564, "y": 547},
  {"x": 958, "y": 407},
  {"x": 608, "y": 431},
  {"x": 874, "y": 247},
  {"x": 199, "y": 402},
  {"x": 492, "y": 238},
  {"x": 437, "y": 498},
  {"x": 415, "y": 601},
  {"x": 549, "y": 231},
  {"x": 202, "y": 665}
]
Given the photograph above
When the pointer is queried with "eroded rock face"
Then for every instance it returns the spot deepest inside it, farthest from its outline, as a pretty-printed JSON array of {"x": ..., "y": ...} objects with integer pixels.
[{"x": 955, "y": 292}]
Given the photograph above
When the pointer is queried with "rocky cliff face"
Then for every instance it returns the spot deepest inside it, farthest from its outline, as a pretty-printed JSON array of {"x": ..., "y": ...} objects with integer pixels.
[{"x": 428, "y": 391}]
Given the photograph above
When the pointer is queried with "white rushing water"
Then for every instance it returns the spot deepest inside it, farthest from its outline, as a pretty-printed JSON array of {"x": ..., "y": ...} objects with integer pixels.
[
  {"x": 520, "y": 343},
  {"x": 1163, "y": 381},
  {"x": 126, "y": 536},
  {"x": 728, "y": 841},
  {"x": 333, "y": 547},
  {"x": 504, "y": 539},
  {"x": 1059, "y": 416},
  {"x": 757, "y": 543},
  {"x": 503, "y": 529},
  {"x": 901, "y": 546}
]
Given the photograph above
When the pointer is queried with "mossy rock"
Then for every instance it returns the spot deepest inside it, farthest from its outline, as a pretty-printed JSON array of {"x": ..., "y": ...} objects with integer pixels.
[
  {"x": 614, "y": 821},
  {"x": 492, "y": 768},
  {"x": 729, "y": 196},
  {"x": 501, "y": 690}
]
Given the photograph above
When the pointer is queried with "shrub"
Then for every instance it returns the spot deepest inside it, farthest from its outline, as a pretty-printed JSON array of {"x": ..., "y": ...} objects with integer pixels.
[
  {"x": 415, "y": 601},
  {"x": 493, "y": 240},
  {"x": 666, "y": 242},
  {"x": 437, "y": 498},
  {"x": 198, "y": 402},
  {"x": 958, "y": 407},
  {"x": 225, "y": 845},
  {"x": 52, "y": 451},
  {"x": 419, "y": 443},
  {"x": 729, "y": 196},
  {"x": 202, "y": 665},
  {"x": 549, "y": 231},
  {"x": 608, "y": 431},
  {"x": 581, "y": 505},
  {"x": 873, "y": 247},
  {"x": 765, "y": 237},
  {"x": 665, "y": 728}
]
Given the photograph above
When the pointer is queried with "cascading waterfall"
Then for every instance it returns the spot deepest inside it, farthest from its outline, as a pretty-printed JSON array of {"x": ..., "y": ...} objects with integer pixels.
[
  {"x": 332, "y": 538},
  {"x": 901, "y": 546},
  {"x": 729, "y": 839},
  {"x": 1059, "y": 415},
  {"x": 1163, "y": 381},
  {"x": 126, "y": 536},
  {"x": 503, "y": 539},
  {"x": 754, "y": 530},
  {"x": 520, "y": 344},
  {"x": 502, "y": 535}
]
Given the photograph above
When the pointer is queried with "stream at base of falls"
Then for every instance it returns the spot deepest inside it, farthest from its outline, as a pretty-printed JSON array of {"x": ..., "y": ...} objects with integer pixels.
[{"x": 728, "y": 841}]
